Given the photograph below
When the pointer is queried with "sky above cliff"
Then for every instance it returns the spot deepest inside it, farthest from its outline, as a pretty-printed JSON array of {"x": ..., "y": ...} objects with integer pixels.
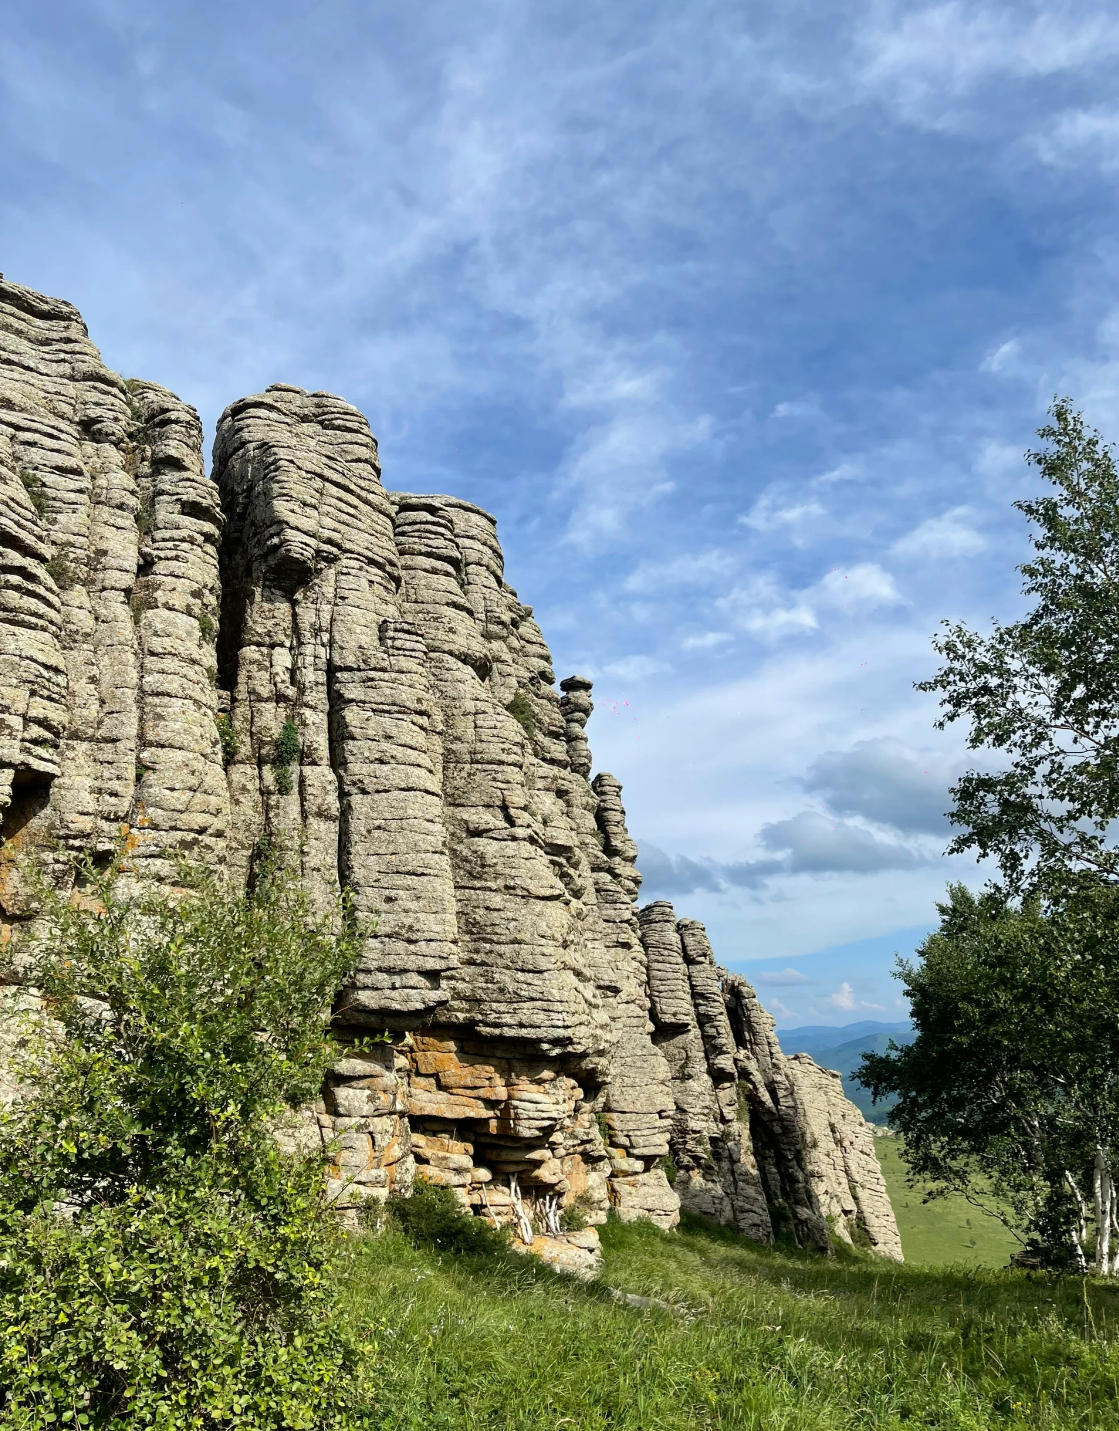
[{"x": 738, "y": 317}]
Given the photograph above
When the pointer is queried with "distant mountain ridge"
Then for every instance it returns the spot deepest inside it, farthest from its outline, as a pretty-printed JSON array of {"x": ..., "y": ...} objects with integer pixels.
[{"x": 842, "y": 1049}]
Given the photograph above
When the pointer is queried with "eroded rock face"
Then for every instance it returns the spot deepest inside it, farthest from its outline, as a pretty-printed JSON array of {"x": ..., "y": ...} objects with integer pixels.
[
  {"x": 109, "y": 532},
  {"x": 289, "y": 655},
  {"x": 766, "y": 1143}
]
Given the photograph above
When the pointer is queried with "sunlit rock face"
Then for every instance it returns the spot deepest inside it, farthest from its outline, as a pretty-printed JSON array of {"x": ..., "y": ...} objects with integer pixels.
[{"x": 287, "y": 655}]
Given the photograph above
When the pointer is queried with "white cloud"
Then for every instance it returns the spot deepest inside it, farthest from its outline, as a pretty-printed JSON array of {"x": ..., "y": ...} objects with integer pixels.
[
  {"x": 1083, "y": 136},
  {"x": 861, "y": 587},
  {"x": 710, "y": 568},
  {"x": 763, "y": 609},
  {"x": 636, "y": 668},
  {"x": 767, "y": 516},
  {"x": 708, "y": 641},
  {"x": 781, "y": 978},
  {"x": 844, "y": 472},
  {"x": 780, "y": 1010},
  {"x": 927, "y": 59},
  {"x": 843, "y": 998},
  {"x": 620, "y": 465},
  {"x": 944, "y": 537},
  {"x": 1005, "y": 355},
  {"x": 809, "y": 408}
]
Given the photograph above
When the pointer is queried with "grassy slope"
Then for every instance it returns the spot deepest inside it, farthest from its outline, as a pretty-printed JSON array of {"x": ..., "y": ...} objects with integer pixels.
[
  {"x": 750, "y": 1338},
  {"x": 944, "y": 1231}
]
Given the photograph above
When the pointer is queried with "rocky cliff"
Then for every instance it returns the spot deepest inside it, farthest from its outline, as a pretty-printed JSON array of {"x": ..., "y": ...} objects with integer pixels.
[{"x": 285, "y": 653}]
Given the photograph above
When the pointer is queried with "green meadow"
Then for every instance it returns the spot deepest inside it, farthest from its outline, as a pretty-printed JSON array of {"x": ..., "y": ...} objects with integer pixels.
[
  {"x": 946, "y": 1230},
  {"x": 700, "y": 1328}
]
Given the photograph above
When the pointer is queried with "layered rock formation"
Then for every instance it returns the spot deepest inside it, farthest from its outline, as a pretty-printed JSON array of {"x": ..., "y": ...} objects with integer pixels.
[{"x": 290, "y": 655}]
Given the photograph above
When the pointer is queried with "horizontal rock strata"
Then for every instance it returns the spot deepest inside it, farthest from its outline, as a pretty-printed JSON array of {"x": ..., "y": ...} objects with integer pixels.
[{"x": 286, "y": 654}]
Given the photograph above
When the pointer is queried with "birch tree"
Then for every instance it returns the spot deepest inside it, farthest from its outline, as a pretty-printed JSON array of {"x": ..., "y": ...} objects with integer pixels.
[
  {"x": 1009, "y": 1094},
  {"x": 1016, "y": 998}
]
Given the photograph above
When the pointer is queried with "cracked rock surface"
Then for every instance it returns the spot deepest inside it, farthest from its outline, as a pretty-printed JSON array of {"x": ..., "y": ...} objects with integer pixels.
[{"x": 285, "y": 653}]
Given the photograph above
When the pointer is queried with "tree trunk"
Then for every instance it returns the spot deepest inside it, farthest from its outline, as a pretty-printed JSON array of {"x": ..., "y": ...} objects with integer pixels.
[
  {"x": 1079, "y": 1230},
  {"x": 1103, "y": 1195}
]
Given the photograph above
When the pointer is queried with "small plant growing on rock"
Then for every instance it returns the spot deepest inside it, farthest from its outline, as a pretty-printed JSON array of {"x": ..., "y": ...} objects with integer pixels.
[
  {"x": 62, "y": 573},
  {"x": 140, "y": 603},
  {"x": 207, "y": 626},
  {"x": 520, "y": 708},
  {"x": 434, "y": 1217},
  {"x": 285, "y": 755},
  {"x": 573, "y": 1219},
  {"x": 34, "y": 489},
  {"x": 228, "y": 739},
  {"x": 145, "y": 512}
]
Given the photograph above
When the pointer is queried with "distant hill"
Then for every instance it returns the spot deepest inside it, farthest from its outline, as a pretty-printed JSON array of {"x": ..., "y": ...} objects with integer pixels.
[{"x": 843, "y": 1048}]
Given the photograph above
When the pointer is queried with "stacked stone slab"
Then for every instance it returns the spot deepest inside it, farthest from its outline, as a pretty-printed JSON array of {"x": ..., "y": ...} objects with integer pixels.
[
  {"x": 109, "y": 536},
  {"x": 289, "y": 656},
  {"x": 766, "y": 1143}
]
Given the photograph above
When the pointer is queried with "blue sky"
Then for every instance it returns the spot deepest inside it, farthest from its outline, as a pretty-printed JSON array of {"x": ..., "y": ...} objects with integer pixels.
[{"x": 739, "y": 318}]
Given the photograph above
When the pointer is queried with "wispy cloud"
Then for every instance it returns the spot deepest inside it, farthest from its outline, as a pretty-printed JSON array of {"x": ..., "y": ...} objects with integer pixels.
[
  {"x": 780, "y": 978},
  {"x": 941, "y": 538}
]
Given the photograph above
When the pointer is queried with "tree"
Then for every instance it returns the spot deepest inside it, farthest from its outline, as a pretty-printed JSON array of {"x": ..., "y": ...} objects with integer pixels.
[
  {"x": 1012, "y": 1082},
  {"x": 162, "y": 1261},
  {"x": 1016, "y": 997},
  {"x": 1044, "y": 691}
]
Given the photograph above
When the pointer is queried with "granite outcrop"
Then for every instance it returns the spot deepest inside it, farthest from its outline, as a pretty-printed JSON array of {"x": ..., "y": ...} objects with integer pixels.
[{"x": 285, "y": 653}]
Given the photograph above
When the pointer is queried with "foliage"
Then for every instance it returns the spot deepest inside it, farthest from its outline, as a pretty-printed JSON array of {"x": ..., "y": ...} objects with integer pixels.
[
  {"x": 183, "y": 1306},
  {"x": 520, "y": 708},
  {"x": 434, "y": 1217},
  {"x": 140, "y": 602},
  {"x": 285, "y": 754},
  {"x": 228, "y": 738},
  {"x": 1042, "y": 690},
  {"x": 1012, "y": 1077},
  {"x": 145, "y": 506},
  {"x": 207, "y": 626},
  {"x": 62, "y": 572},
  {"x": 573, "y": 1219},
  {"x": 737, "y": 1337},
  {"x": 162, "y": 1262},
  {"x": 33, "y": 486}
]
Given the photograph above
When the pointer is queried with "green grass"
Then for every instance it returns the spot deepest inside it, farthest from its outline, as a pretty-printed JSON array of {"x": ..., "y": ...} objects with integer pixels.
[
  {"x": 747, "y": 1337},
  {"x": 945, "y": 1231}
]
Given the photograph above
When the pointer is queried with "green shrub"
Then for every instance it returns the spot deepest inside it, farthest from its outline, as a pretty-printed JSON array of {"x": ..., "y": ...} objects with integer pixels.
[
  {"x": 186, "y": 1306},
  {"x": 62, "y": 572},
  {"x": 145, "y": 512},
  {"x": 189, "y": 1280},
  {"x": 228, "y": 738},
  {"x": 140, "y": 602},
  {"x": 285, "y": 755},
  {"x": 573, "y": 1218},
  {"x": 33, "y": 486},
  {"x": 520, "y": 708},
  {"x": 433, "y": 1217},
  {"x": 207, "y": 626}
]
